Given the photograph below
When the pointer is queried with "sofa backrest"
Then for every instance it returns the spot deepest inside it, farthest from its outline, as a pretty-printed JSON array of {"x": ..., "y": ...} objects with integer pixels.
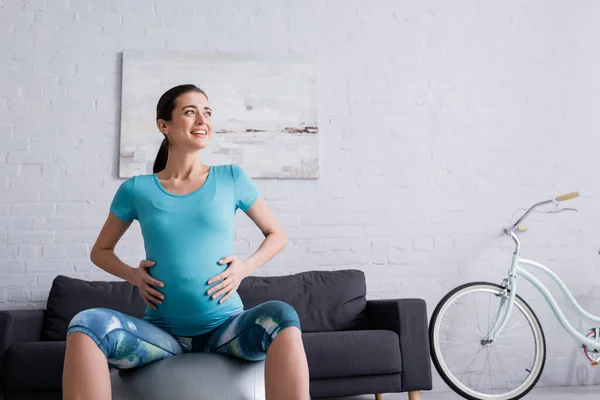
[
  {"x": 324, "y": 300},
  {"x": 68, "y": 296}
]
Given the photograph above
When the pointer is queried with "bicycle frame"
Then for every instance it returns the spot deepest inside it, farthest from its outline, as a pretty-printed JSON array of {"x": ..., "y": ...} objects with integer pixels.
[{"x": 508, "y": 296}]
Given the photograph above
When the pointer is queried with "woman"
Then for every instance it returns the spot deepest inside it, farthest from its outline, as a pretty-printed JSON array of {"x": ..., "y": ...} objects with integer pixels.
[{"x": 186, "y": 211}]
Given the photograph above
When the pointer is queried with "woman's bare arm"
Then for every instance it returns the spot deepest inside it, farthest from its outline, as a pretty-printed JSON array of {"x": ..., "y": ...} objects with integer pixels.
[
  {"x": 103, "y": 254},
  {"x": 275, "y": 236}
]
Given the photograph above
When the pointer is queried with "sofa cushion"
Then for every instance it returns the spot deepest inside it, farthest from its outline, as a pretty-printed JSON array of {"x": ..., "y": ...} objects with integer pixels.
[
  {"x": 352, "y": 353},
  {"x": 324, "y": 300},
  {"x": 37, "y": 366},
  {"x": 68, "y": 296},
  {"x": 34, "y": 366}
]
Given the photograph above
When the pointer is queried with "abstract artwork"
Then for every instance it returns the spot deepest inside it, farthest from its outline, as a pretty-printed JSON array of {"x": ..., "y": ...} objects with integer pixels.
[{"x": 264, "y": 110}]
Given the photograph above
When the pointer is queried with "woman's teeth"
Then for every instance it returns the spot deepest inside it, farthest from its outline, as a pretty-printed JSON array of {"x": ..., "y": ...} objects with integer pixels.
[{"x": 201, "y": 133}]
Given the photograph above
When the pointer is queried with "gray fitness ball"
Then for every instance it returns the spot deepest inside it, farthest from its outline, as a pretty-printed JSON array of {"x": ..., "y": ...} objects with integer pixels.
[{"x": 192, "y": 376}]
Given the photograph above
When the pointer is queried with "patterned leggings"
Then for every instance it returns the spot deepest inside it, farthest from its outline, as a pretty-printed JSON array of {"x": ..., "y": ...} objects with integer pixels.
[{"x": 129, "y": 342}]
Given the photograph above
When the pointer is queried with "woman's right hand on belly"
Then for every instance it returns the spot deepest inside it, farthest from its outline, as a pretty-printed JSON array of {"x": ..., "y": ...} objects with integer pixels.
[{"x": 144, "y": 282}]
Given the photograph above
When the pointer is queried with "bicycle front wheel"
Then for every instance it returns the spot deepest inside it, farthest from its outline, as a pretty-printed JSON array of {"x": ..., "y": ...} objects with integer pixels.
[{"x": 475, "y": 367}]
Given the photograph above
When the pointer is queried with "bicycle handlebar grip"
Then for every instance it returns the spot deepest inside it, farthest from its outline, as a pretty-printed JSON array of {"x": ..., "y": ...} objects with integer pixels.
[{"x": 567, "y": 196}]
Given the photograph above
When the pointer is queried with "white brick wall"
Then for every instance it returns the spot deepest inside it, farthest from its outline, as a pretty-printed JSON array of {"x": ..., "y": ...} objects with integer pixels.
[{"x": 438, "y": 120}]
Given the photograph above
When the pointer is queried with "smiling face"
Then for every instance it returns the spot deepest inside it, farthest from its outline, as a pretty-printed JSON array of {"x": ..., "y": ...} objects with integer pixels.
[{"x": 190, "y": 127}]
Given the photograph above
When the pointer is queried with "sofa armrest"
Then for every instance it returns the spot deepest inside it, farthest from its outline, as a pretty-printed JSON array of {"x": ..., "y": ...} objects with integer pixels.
[
  {"x": 408, "y": 318},
  {"x": 19, "y": 326}
]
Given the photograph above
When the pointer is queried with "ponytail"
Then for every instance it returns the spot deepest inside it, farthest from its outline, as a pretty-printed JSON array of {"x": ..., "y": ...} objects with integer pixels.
[{"x": 161, "y": 157}]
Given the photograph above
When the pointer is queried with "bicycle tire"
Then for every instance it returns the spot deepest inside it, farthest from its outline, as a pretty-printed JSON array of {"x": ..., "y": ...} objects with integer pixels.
[{"x": 452, "y": 381}]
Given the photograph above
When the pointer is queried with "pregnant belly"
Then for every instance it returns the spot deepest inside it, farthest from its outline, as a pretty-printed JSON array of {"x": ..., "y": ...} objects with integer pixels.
[
  {"x": 187, "y": 310},
  {"x": 186, "y": 286},
  {"x": 184, "y": 295}
]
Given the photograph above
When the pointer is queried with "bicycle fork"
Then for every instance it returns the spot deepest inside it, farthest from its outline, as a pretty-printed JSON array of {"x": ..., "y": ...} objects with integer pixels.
[{"x": 507, "y": 299}]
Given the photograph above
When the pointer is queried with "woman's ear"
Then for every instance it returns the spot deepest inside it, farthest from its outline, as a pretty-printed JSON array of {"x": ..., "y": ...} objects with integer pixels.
[{"x": 163, "y": 126}]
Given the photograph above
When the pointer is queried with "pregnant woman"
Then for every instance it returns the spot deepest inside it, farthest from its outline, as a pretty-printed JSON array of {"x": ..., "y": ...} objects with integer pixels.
[{"x": 186, "y": 211}]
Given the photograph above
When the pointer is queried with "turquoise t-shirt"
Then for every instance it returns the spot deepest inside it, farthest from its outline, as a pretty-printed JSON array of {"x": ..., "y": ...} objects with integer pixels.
[{"x": 186, "y": 235}]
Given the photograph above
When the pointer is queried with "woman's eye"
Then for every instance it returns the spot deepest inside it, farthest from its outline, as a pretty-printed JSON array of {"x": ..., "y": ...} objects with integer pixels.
[
  {"x": 208, "y": 114},
  {"x": 189, "y": 111}
]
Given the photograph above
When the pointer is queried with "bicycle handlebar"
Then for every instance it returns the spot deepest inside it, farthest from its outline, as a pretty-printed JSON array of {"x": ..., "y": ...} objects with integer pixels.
[
  {"x": 562, "y": 197},
  {"x": 567, "y": 196}
]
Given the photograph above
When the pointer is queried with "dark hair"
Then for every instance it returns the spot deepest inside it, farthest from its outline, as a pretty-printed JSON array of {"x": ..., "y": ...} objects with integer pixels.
[{"x": 164, "y": 110}]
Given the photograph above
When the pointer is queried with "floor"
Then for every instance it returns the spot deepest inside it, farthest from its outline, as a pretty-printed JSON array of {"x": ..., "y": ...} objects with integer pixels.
[{"x": 554, "y": 393}]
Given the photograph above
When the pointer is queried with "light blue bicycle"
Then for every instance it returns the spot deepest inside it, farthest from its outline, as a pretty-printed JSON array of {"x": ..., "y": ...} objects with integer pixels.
[{"x": 487, "y": 343}]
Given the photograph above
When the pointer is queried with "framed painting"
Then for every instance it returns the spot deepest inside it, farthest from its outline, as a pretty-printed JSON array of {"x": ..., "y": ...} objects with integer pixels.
[{"x": 264, "y": 110}]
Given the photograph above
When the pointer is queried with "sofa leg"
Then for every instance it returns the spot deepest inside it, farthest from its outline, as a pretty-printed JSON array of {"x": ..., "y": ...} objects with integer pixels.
[{"x": 414, "y": 395}]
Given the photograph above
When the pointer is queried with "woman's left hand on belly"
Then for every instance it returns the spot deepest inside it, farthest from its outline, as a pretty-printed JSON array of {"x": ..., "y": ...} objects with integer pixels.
[{"x": 229, "y": 279}]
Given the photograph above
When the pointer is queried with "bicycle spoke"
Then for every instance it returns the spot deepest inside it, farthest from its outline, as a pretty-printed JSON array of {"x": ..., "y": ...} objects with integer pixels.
[
  {"x": 503, "y": 373},
  {"x": 515, "y": 327},
  {"x": 489, "y": 313},
  {"x": 476, "y": 312},
  {"x": 486, "y": 363},
  {"x": 469, "y": 321},
  {"x": 513, "y": 367},
  {"x": 511, "y": 328},
  {"x": 504, "y": 336},
  {"x": 476, "y": 386},
  {"x": 456, "y": 362},
  {"x": 469, "y": 366},
  {"x": 458, "y": 345},
  {"x": 465, "y": 328},
  {"x": 490, "y": 369},
  {"x": 513, "y": 349}
]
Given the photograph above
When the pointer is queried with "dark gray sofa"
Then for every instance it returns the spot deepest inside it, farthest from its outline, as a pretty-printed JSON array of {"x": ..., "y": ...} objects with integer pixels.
[{"x": 353, "y": 346}]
